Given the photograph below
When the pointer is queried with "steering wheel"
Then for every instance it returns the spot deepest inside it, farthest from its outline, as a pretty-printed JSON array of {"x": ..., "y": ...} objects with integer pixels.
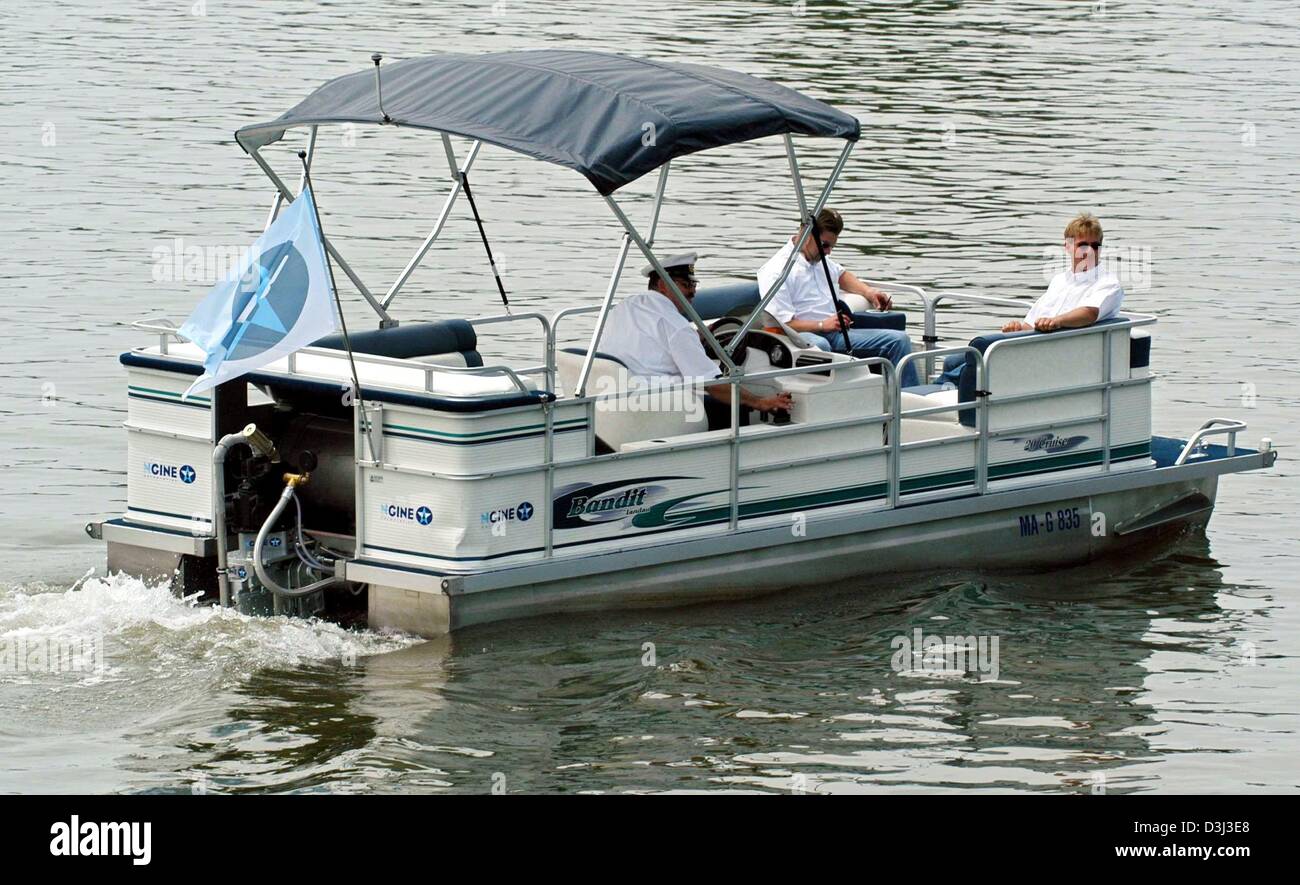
[
  {"x": 778, "y": 353},
  {"x": 725, "y": 330}
]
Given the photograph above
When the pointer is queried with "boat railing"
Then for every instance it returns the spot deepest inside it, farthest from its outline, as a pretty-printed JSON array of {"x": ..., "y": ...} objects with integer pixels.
[
  {"x": 986, "y": 399},
  {"x": 734, "y": 438},
  {"x": 1213, "y": 427},
  {"x": 547, "y": 369},
  {"x": 168, "y": 331},
  {"x": 897, "y": 445}
]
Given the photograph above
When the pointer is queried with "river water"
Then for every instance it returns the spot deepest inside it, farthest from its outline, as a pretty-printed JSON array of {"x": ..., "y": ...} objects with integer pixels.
[{"x": 986, "y": 125}]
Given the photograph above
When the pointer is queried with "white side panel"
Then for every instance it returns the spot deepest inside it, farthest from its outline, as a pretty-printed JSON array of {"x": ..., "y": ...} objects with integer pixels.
[
  {"x": 169, "y": 470},
  {"x": 1130, "y": 409},
  {"x": 478, "y": 442},
  {"x": 927, "y": 468},
  {"x": 448, "y": 524},
  {"x": 619, "y": 498},
  {"x": 169, "y": 481},
  {"x": 859, "y": 483}
]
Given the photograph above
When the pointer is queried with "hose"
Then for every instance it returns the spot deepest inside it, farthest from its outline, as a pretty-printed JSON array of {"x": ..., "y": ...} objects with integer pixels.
[
  {"x": 263, "y": 575},
  {"x": 300, "y": 546}
]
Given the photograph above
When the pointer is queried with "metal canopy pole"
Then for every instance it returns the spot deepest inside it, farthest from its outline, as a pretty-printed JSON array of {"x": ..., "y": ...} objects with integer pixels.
[
  {"x": 811, "y": 220},
  {"x": 803, "y": 237},
  {"x": 384, "y": 319},
  {"x": 302, "y": 180},
  {"x": 589, "y": 359},
  {"x": 794, "y": 174},
  {"x": 442, "y": 216},
  {"x": 694, "y": 317}
]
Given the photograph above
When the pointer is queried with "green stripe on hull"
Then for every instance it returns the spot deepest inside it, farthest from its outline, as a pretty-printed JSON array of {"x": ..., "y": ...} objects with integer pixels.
[
  {"x": 878, "y": 490},
  {"x": 481, "y": 434},
  {"x": 167, "y": 393}
]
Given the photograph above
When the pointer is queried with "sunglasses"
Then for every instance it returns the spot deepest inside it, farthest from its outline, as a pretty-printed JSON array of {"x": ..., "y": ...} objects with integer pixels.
[{"x": 1095, "y": 246}]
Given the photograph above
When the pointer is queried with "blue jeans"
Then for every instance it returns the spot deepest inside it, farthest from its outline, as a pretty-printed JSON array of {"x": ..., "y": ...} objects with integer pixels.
[{"x": 888, "y": 343}]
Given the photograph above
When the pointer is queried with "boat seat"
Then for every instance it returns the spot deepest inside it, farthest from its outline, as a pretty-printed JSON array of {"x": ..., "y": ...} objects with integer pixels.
[
  {"x": 445, "y": 342},
  {"x": 962, "y": 369},
  {"x": 715, "y": 302},
  {"x": 917, "y": 429},
  {"x": 616, "y": 422}
]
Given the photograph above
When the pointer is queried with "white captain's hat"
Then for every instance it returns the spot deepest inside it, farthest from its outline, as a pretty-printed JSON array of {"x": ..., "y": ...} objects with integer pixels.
[{"x": 675, "y": 263}]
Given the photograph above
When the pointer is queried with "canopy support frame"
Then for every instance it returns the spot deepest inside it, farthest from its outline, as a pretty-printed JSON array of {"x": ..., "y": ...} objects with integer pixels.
[
  {"x": 804, "y": 233},
  {"x": 385, "y": 321},
  {"x": 302, "y": 180},
  {"x": 608, "y": 300},
  {"x": 456, "y": 172},
  {"x": 725, "y": 358}
]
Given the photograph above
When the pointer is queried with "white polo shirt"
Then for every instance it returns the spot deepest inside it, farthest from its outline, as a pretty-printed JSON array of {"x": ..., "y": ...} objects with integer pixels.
[
  {"x": 654, "y": 340},
  {"x": 1093, "y": 288},
  {"x": 804, "y": 294}
]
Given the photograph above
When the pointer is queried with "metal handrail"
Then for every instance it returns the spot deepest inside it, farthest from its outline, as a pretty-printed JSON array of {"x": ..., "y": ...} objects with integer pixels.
[
  {"x": 1213, "y": 427},
  {"x": 548, "y": 355},
  {"x": 163, "y": 326},
  {"x": 429, "y": 369},
  {"x": 749, "y": 378},
  {"x": 959, "y": 295},
  {"x": 981, "y": 416},
  {"x": 982, "y": 403}
]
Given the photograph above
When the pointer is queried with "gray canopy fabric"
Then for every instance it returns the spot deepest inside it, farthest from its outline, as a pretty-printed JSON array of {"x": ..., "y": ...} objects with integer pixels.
[{"x": 609, "y": 117}]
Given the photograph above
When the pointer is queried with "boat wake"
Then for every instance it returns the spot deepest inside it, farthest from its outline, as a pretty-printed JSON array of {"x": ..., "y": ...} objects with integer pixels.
[{"x": 118, "y": 628}]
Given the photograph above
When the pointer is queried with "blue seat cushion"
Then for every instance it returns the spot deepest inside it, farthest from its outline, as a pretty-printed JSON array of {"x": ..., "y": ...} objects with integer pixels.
[
  {"x": 413, "y": 340},
  {"x": 718, "y": 301},
  {"x": 880, "y": 319},
  {"x": 1139, "y": 352}
]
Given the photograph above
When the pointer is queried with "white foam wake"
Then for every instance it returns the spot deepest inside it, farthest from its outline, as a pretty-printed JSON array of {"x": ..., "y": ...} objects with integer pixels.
[{"x": 136, "y": 626}]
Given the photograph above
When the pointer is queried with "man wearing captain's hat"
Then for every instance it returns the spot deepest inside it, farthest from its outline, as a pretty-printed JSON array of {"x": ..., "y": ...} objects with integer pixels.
[{"x": 650, "y": 334}]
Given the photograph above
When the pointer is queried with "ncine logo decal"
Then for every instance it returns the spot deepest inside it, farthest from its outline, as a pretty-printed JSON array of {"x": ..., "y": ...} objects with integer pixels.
[
  {"x": 406, "y": 513},
  {"x": 523, "y": 513},
  {"x": 182, "y": 472},
  {"x": 585, "y": 504},
  {"x": 1049, "y": 442}
]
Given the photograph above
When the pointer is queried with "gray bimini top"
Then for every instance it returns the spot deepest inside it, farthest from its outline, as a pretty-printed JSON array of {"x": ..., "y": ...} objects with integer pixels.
[{"x": 609, "y": 117}]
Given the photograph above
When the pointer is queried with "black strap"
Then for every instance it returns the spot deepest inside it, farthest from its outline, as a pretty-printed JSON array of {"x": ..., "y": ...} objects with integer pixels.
[
  {"x": 830, "y": 285},
  {"x": 464, "y": 183}
]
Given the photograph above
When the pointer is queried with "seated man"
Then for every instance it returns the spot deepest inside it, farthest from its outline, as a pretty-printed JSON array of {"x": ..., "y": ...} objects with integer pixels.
[
  {"x": 806, "y": 304},
  {"x": 1080, "y": 296},
  {"x": 650, "y": 334},
  {"x": 1075, "y": 298}
]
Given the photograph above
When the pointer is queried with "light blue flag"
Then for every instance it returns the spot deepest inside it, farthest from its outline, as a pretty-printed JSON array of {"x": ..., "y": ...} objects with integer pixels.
[{"x": 277, "y": 300}]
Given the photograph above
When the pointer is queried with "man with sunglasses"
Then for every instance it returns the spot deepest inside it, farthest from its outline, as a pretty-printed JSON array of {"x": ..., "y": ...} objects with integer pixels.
[
  {"x": 807, "y": 305},
  {"x": 649, "y": 333},
  {"x": 1080, "y": 296}
]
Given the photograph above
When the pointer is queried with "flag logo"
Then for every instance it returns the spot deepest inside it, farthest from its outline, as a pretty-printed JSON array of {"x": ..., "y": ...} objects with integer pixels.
[
  {"x": 268, "y": 302},
  {"x": 278, "y": 300}
]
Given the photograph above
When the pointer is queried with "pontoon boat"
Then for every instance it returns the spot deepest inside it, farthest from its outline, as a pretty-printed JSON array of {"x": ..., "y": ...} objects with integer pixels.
[{"x": 454, "y": 489}]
